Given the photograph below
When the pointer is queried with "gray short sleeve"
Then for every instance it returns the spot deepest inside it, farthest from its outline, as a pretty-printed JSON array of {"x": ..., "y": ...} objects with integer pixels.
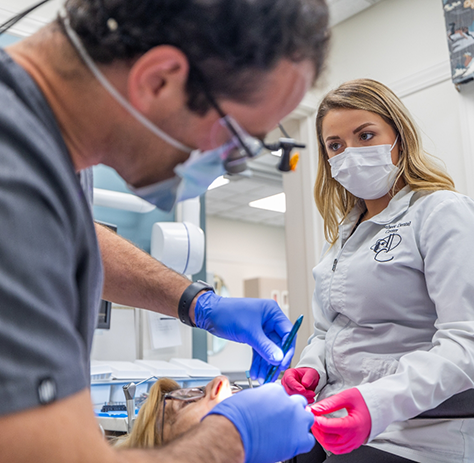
[
  {"x": 87, "y": 182},
  {"x": 50, "y": 272}
]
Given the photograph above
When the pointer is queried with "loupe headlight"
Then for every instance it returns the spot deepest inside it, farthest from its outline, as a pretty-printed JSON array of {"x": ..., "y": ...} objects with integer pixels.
[
  {"x": 244, "y": 146},
  {"x": 286, "y": 145}
]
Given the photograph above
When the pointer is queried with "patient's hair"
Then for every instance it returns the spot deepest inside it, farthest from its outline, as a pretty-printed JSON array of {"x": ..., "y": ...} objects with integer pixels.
[{"x": 146, "y": 430}]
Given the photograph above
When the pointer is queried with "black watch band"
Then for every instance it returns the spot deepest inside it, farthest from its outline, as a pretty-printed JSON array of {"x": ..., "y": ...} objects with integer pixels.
[{"x": 187, "y": 299}]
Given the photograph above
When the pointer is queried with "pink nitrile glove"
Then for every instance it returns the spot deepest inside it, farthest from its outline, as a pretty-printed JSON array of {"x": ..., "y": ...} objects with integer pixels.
[
  {"x": 301, "y": 381},
  {"x": 342, "y": 435}
]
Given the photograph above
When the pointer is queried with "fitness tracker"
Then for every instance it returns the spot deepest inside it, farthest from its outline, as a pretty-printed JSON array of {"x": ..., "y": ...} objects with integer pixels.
[{"x": 187, "y": 299}]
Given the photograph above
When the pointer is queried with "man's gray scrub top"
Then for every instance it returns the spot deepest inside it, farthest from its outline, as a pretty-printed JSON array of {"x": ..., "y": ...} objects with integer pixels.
[{"x": 50, "y": 269}]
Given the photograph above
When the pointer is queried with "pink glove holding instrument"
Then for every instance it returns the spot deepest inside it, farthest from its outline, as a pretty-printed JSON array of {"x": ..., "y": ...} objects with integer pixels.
[
  {"x": 342, "y": 435},
  {"x": 301, "y": 381}
]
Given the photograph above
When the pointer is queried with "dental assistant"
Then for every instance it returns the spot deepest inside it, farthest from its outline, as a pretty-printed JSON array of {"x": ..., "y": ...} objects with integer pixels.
[
  {"x": 156, "y": 90},
  {"x": 394, "y": 296}
]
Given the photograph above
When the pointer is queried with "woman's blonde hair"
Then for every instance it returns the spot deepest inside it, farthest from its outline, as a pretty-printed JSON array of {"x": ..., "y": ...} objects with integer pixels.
[
  {"x": 146, "y": 432},
  {"x": 417, "y": 168}
]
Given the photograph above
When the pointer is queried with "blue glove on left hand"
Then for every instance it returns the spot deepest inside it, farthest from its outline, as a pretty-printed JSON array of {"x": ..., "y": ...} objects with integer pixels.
[
  {"x": 257, "y": 322},
  {"x": 273, "y": 426}
]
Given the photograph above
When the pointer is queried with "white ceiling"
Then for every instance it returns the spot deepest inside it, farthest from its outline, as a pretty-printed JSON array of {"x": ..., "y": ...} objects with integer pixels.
[
  {"x": 340, "y": 10},
  {"x": 229, "y": 201}
]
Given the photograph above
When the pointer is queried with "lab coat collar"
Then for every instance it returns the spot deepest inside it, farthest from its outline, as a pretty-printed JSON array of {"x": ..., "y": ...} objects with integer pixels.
[
  {"x": 346, "y": 227},
  {"x": 397, "y": 206}
]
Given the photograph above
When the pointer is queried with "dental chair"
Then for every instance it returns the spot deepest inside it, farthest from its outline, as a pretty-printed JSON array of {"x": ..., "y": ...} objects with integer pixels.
[{"x": 457, "y": 407}]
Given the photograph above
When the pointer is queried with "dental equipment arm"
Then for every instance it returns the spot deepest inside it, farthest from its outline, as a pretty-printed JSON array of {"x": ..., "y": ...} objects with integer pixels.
[{"x": 129, "y": 392}]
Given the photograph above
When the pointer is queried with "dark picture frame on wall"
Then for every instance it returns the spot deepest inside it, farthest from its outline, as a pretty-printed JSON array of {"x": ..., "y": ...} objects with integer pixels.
[{"x": 459, "y": 18}]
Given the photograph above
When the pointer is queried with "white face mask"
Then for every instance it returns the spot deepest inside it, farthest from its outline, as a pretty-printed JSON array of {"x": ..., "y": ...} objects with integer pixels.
[{"x": 367, "y": 171}]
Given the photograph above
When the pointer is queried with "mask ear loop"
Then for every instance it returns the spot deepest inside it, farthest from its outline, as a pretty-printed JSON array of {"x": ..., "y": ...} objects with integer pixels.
[
  {"x": 400, "y": 173},
  {"x": 394, "y": 143},
  {"x": 76, "y": 42}
]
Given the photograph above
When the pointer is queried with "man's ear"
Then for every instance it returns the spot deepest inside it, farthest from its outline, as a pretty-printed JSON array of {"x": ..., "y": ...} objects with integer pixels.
[{"x": 158, "y": 80}]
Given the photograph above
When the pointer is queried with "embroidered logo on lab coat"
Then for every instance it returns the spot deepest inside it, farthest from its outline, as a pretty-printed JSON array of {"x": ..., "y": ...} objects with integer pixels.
[{"x": 383, "y": 247}]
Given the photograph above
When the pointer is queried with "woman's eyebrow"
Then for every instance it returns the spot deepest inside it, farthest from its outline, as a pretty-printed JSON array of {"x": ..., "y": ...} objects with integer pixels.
[{"x": 363, "y": 126}]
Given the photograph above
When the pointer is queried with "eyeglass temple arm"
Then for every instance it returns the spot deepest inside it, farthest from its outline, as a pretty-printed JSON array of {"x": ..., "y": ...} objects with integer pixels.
[
  {"x": 283, "y": 131},
  {"x": 219, "y": 110},
  {"x": 230, "y": 126}
]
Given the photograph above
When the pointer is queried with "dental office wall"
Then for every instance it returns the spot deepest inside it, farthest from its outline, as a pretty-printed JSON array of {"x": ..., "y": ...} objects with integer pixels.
[
  {"x": 237, "y": 251},
  {"x": 402, "y": 43}
]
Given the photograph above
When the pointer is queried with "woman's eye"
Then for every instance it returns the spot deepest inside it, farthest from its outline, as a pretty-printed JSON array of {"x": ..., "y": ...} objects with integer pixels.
[
  {"x": 334, "y": 147},
  {"x": 366, "y": 136}
]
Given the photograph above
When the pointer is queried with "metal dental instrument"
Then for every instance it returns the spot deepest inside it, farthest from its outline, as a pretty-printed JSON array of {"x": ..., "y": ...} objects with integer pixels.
[
  {"x": 285, "y": 348},
  {"x": 247, "y": 374}
]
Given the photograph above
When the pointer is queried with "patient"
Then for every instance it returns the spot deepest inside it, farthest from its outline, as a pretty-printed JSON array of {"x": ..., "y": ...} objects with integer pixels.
[{"x": 183, "y": 409}]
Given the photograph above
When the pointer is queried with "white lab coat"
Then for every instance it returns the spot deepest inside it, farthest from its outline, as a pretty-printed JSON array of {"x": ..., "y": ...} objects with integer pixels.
[{"x": 394, "y": 316}]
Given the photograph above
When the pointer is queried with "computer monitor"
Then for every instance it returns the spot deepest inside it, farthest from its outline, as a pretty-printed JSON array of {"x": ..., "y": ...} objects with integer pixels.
[
  {"x": 105, "y": 312},
  {"x": 105, "y": 309}
]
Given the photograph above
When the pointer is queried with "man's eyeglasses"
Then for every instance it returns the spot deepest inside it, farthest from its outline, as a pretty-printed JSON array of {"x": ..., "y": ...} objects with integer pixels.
[
  {"x": 188, "y": 395},
  {"x": 243, "y": 146}
]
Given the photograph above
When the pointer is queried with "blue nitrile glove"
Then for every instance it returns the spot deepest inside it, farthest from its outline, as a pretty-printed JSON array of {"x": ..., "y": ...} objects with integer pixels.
[
  {"x": 260, "y": 368},
  {"x": 273, "y": 425},
  {"x": 257, "y": 322}
]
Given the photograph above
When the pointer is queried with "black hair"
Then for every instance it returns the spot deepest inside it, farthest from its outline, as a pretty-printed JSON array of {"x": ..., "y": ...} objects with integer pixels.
[{"x": 228, "y": 43}]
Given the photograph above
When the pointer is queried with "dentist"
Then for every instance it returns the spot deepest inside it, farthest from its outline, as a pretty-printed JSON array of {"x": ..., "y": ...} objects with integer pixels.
[{"x": 170, "y": 94}]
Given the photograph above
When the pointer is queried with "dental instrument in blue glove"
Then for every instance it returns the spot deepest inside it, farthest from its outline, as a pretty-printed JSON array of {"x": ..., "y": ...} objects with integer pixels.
[
  {"x": 257, "y": 322},
  {"x": 285, "y": 348}
]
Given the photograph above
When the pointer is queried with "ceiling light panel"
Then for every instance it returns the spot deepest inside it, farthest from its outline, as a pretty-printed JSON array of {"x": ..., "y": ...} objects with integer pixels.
[{"x": 276, "y": 203}]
